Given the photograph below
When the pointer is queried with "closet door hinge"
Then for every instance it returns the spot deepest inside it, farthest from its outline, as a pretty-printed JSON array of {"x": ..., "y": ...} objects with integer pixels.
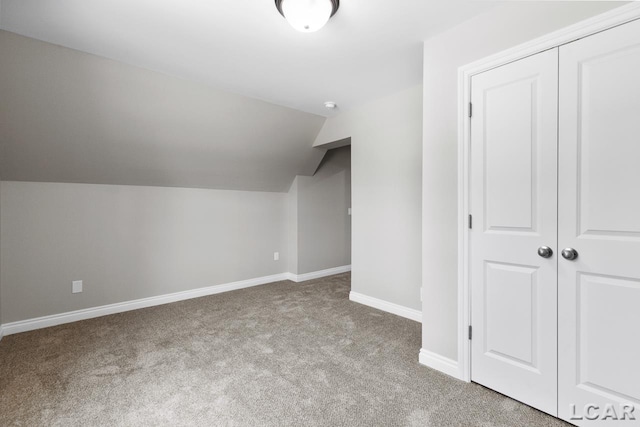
[
  {"x": 470, "y": 332},
  {"x": 470, "y": 221},
  {"x": 470, "y": 110}
]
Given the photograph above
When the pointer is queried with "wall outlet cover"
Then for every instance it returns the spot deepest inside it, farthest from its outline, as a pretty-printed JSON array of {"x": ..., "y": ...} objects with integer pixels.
[{"x": 76, "y": 286}]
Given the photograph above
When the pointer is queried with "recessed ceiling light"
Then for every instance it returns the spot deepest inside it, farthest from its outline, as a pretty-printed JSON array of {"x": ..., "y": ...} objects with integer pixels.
[
  {"x": 331, "y": 105},
  {"x": 307, "y": 15}
]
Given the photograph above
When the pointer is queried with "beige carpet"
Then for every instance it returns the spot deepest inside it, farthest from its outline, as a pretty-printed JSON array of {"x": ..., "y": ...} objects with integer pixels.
[{"x": 284, "y": 354}]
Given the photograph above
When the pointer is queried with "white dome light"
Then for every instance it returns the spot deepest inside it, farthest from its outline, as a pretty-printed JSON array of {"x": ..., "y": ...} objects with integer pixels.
[{"x": 307, "y": 15}]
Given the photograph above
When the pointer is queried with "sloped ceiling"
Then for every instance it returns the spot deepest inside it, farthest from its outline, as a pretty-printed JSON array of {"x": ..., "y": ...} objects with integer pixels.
[
  {"x": 69, "y": 116},
  {"x": 173, "y": 97},
  {"x": 369, "y": 49}
]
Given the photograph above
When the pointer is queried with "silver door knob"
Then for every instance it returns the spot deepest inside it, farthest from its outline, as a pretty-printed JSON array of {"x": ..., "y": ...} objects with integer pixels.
[
  {"x": 545, "y": 251},
  {"x": 570, "y": 254}
]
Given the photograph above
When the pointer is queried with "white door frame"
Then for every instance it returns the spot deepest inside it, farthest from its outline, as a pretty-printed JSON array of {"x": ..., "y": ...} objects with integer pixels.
[{"x": 582, "y": 29}]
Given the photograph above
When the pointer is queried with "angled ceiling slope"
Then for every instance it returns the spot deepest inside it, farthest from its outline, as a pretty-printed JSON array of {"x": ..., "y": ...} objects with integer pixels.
[
  {"x": 68, "y": 116},
  {"x": 369, "y": 49}
]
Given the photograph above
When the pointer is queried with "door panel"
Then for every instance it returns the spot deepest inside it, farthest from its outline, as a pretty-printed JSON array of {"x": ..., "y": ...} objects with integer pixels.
[
  {"x": 602, "y": 356},
  {"x": 599, "y": 216},
  {"x": 510, "y": 313},
  {"x": 510, "y": 202},
  {"x": 514, "y": 207}
]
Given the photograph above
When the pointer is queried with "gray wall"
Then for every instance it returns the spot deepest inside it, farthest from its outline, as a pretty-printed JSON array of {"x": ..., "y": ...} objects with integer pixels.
[
  {"x": 386, "y": 157},
  {"x": 292, "y": 227},
  {"x": 129, "y": 242},
  {"x": 324, "y": 226},
  {"x": 69, "y": 116},
  {"x": 490, "y": 33},
  {"x": 0, "y": 262}
]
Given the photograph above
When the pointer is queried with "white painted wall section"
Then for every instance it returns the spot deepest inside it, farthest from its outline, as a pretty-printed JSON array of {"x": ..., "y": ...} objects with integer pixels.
[{"x": 386, "y": 153}]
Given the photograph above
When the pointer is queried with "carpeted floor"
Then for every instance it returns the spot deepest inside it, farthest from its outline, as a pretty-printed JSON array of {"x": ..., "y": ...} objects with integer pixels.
[{"x": 284, "y": 354}]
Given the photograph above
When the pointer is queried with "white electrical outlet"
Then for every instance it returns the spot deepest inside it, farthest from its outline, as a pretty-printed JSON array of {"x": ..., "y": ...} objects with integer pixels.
[
  {"x": 349, "y": 211},
  {"x": 76, "y": 286},
  {"x": 276, "y": 256}
]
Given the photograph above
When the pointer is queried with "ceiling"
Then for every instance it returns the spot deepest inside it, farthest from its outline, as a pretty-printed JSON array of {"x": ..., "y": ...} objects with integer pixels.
[{"x": 371, "y": 48}]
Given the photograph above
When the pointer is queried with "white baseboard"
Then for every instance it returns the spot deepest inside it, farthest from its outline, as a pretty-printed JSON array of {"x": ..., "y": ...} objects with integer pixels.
[
  {"x": 90, "y": 313},
  {"x": 105, "y": 310},
  {"x": 440, "y": 363},
  {"x": 389, "y": 307},
  {"x": 318, "y": 274}
]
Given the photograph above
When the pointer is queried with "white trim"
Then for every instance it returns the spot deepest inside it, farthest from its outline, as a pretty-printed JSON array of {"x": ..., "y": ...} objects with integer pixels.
[
  {"x": 389, "y": 307},
  {"x": 90, "y": 313},
  {"x": 105, "y": 310},
  {"x": 318, "y": 274},
  {"x": 439, "y": 363},
  {"x": 602, "y": 22}
]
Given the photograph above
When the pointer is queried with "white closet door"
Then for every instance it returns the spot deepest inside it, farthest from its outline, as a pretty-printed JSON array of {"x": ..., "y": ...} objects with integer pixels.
[
  {"x": 514, "y": 207},
  {"x": 599, "y": 217}
]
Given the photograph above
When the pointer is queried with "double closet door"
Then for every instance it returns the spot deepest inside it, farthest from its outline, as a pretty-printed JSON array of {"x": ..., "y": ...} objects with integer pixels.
[{"x": 555, "y": 243}]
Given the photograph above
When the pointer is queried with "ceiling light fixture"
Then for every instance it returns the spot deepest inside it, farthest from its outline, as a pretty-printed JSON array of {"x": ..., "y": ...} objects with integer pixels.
[{"x": 307, "y": 15}]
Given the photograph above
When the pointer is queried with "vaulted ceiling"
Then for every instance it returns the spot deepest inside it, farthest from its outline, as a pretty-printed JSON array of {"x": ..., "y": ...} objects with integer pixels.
[
  {"x": 369, "y": 49},
  {"x": 194, "y": 93}
]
